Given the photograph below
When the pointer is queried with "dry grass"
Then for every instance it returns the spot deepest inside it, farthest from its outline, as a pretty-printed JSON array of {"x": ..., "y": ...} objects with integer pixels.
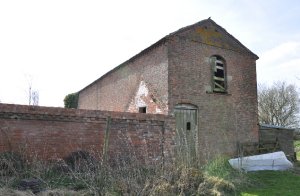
[
  {"x": 82, "y": 174},
  {"x": 90, "y": 177},
  {"x": 12, "y": 192},
  {"x": 55, "y": 192}
]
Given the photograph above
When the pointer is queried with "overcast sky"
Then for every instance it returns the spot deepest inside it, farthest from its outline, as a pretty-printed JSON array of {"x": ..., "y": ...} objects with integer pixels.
[{"x": 61, "y": 46}]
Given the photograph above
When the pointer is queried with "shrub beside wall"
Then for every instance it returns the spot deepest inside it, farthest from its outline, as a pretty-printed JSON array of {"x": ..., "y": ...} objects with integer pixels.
[{"x": 71, "y": 100}]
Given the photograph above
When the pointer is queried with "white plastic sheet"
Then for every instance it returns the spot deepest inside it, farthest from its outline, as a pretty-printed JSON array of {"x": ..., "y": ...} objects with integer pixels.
[{"x": 270, "y": 161}]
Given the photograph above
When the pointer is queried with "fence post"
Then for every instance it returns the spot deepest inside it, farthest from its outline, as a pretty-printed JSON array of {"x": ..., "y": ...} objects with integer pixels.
[
  {"x": 106, "y": 139},
  {"x": 162, "y": 144}
]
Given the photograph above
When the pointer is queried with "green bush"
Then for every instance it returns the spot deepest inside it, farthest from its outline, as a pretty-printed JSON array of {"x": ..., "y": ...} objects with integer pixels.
[{"x": 71, "y": 100}]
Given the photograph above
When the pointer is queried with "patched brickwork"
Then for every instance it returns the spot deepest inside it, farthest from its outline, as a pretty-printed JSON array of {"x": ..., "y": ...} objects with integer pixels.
[
  {"x": 144, "y": 97},
  {"x": 51, "y": 133},
  {"x": 116, "y": 90}
]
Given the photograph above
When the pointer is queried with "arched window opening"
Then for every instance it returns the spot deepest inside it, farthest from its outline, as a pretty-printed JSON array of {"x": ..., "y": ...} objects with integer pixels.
[{"x": 218, "y": 74}]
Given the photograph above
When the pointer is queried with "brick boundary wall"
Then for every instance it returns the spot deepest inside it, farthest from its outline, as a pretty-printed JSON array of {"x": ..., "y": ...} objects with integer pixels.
[{"x": 52, "y": 133}]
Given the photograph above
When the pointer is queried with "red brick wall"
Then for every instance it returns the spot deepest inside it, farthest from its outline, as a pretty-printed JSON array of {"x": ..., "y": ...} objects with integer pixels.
[
  {"x": 178, "y": 72},
  {"x": 223, "y": 119},
  {"x": 116, "y": 90},
  {"x": 51, "y": 133}
]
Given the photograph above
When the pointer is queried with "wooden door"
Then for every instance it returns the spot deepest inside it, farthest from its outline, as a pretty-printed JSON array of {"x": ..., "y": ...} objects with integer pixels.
[{"x": 186, "y": 133}]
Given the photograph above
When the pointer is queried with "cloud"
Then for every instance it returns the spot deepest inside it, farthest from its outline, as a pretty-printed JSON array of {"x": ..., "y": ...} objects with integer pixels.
[
  {"x": 280, "y": 63},
  {"x": 281, "y": 52}
]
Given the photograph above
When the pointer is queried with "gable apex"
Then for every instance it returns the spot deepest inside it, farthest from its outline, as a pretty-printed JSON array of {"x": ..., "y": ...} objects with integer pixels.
[{"x": 209, "y": 32}]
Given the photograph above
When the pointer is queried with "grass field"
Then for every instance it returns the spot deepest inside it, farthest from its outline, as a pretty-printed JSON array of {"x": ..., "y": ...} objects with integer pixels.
[{"x": 273, "y": 183}]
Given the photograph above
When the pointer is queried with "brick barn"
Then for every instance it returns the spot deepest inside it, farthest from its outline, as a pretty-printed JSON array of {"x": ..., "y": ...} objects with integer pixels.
[{"x": 200, "y": 74}]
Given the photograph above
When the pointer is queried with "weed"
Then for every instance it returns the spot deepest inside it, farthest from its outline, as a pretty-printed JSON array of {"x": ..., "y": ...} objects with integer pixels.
[
  {"x": 10, "y": 163},
  {"x": 82, "y": 173}
]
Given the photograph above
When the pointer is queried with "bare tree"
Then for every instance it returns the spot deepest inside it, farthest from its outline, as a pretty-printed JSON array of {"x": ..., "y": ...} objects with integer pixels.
[
  {"x": 29, "y": 93},
  {"x": 278, "y": 104},
  {"x": 33, "y": 95}
]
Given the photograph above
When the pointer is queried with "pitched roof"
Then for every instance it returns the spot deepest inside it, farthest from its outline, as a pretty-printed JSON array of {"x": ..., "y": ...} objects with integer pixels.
[
  {"x": 163, "y": 40},
  {"x": 266, "y": 126}
]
